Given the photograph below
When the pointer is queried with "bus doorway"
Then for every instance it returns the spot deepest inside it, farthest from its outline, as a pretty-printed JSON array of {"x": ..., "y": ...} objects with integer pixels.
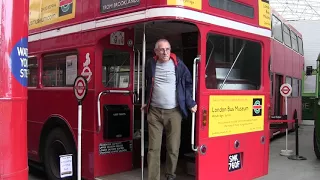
[
  {"x": 183, "y": 38},
  {"x": 277, "y": 95}
]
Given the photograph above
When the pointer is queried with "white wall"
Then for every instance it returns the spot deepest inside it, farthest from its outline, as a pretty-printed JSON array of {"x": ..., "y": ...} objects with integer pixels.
[{"x": 310, "y": 31}]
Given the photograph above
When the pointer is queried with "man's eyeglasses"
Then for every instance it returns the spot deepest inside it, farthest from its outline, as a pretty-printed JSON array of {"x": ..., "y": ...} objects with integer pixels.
[{"x": 162, "y": 50}]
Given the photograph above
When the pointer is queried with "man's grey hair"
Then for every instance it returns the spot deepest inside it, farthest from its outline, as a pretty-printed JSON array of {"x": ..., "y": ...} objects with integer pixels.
[{"x": 156, "y": 46}]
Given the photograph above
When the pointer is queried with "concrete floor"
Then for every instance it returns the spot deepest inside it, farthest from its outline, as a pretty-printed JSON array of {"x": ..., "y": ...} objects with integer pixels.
[{"x": 280, "y": 168}]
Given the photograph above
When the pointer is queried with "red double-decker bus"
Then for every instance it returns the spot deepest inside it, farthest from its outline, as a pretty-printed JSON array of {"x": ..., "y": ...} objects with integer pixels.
[
  {"x": 226, "y": 46},
  {"x": 287, "y": 66}
]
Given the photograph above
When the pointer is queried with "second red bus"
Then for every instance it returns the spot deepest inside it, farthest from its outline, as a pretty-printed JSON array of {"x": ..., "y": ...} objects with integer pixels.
[{"x": 287, "y": 65}]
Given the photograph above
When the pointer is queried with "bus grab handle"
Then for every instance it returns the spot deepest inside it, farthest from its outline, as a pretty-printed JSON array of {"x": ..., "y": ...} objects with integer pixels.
[
  {"x": 104, "y": 93},
  {"x": 194, "y": 81}
]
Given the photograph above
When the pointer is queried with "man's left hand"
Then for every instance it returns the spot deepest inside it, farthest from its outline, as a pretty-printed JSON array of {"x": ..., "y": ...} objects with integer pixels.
[{"x": 194, "y": 109}]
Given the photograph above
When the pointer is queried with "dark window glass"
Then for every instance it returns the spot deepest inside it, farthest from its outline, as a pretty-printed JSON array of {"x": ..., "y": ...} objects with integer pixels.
[{"x": 233, "y": 6}]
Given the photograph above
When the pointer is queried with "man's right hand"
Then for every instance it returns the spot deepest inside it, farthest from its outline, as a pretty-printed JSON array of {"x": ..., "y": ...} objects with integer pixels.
[
  {"x": 194, "y": 109},
  {"x": 143, "y": 107}
]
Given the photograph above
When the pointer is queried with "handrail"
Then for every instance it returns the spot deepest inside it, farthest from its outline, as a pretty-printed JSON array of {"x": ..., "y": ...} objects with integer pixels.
[
  {"x": 138, "y": 88},
  {"x": 104, "y": 93},
  {"x": 194, "y": 75}
]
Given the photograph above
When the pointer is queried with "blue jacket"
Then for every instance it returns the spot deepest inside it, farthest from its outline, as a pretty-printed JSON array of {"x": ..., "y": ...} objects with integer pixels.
[{"x": 183, "y": 84}]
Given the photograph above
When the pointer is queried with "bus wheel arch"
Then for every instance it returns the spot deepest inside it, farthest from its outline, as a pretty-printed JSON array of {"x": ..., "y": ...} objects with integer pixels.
[{"x": 57, "y": 135}]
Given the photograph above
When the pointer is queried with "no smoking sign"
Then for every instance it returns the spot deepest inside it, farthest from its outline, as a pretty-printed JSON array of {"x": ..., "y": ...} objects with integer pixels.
[
  {"x": 285, "y": 90},
  {"x": 80, "y": 88}
]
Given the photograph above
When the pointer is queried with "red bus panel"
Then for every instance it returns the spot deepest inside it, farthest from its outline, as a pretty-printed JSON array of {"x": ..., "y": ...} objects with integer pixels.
[
  {"x": 286, "y": 67},
  {"x": 232, "y": 124},
  {"x": 13, "y": 89},
  {"x": 102, "y": 42}
]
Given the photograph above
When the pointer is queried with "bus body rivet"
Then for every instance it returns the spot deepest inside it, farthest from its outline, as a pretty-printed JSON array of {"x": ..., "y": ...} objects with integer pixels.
[
  {"x": 203, "y": 149},
  {"x": 236, "y": 144},
  {"x": 262, "y": 139}
]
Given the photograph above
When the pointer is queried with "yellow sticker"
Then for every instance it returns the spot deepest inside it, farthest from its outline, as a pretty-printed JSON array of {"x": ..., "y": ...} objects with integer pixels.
[
  {"x": 196, "y": 4},
  {"x": 264, "y": 14},
  {"x": 229, "y": 115},
  {"x": 46, "y": 12}
]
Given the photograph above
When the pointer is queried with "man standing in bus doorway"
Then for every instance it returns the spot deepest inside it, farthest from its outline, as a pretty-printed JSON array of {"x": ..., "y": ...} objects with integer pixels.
[{"x": 168, "y": 99}]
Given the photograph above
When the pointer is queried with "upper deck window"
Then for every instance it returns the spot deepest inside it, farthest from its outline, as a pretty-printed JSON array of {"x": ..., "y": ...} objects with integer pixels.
[
  {"x": 233, "y": 6},
  {"x": 294, "y": 41},
  {"x": 232, "y": 63},
  {"x": 300, "y": 43},
  {"x": 286, "y": 35},
  {"x": 277, "y": 28}
]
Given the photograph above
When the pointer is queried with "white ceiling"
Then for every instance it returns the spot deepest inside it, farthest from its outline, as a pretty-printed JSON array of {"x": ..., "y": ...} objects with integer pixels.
[{"x": 294, "y": 10}]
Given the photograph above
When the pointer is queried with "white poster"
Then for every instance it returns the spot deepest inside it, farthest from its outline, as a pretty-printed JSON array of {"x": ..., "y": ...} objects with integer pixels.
[
  {"x": 117, "y": 38},
  {"x": 71, "y": 69},
  {"x": 124, "y": 81},
  {"x": 66, "y": 165}
]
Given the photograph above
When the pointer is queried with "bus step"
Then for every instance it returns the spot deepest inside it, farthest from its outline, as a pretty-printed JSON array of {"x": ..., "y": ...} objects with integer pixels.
[{"x": 190, "y": 163}]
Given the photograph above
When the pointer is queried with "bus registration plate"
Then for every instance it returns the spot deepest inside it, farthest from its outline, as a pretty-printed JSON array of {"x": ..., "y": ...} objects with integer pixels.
[{"x": 234, "y": 162}]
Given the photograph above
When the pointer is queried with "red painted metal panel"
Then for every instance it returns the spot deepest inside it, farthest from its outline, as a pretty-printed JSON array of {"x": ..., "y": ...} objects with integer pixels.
[
  {"x": 288, "y": 62},
  {"x": 104, "y": 164},
  {"x": 86, "y": 10},
  {"x": 255, "y": 154},
  {"x": 13, "y": 91},
  {"x": 93, "y": 165},
  {"x": 277, "y": 57},
  {"x": 89, "y": 42},
  {"x": 41, "y": 112}
]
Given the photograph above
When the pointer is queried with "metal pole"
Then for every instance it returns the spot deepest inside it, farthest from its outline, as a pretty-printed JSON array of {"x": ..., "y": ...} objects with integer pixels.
[
  {"x": 297, "y": 156},
  {"x": 286, "y": 99},
  {"x": 286, "y": 152},
  {"x": 14, "y": 17},
  {"x": 138, "y": 84},
  {"x": 79, "y": 139},
  {"x": 143, "y": 98}
]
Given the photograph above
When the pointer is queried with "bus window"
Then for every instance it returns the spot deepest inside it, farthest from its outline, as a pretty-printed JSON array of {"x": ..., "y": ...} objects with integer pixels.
[
  {"x": 232, "y": 63},
  {"x": 286, "y": 35},
  {"x": 115, "y": 68},
  {"x": 33, "y": 72},
  {"x": 295, "y": 87},
  {"x": 300, "y": 45},
  {"x": 300, "y": 87},
  {"x": 277, "y": 28},
  {"x": 138, "y": 73},
  {"x": 294, "y": 41},
  {"x": 289, "y": 81},
  {"x": 60, "y": 70},
  {"x": 233, "y": 6},
  {"x": 271, "y": 85}
]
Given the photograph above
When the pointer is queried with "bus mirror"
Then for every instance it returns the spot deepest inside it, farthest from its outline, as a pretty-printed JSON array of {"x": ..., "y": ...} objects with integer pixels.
[{"x": 309, "y": 70}]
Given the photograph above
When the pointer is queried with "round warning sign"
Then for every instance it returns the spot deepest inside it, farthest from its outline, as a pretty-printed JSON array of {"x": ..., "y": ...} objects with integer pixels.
[
  {"x": 285, "y": 90},
  {"x": 80, "y": 87}
]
